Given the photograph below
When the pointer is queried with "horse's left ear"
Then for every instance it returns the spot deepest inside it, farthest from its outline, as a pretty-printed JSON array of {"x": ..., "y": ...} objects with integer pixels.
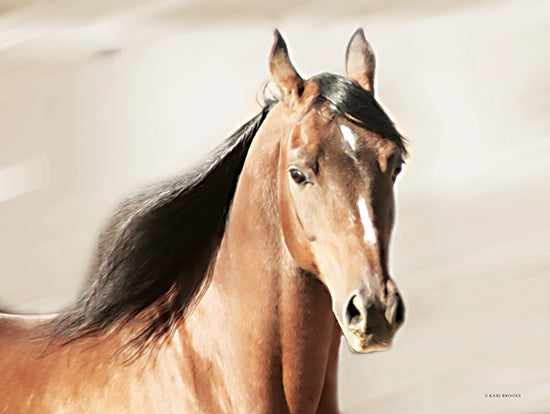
[
  {"x": 360, "y": 61},
  {"x": 283, "y": 72}
]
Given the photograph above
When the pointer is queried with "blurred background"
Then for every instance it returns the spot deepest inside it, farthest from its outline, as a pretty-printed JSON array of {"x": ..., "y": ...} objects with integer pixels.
[{"x": 99, "y": 98}]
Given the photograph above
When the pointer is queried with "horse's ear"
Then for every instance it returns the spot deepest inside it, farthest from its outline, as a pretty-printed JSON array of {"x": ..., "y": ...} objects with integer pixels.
[
  {"x": 283, "y": 72},
  {"x": 360, "y": 61}
]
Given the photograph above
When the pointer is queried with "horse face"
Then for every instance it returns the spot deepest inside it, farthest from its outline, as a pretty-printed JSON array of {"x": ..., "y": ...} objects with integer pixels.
[
  {"x": 337, "y": 195},
  {"x": 336, "y": 201}
]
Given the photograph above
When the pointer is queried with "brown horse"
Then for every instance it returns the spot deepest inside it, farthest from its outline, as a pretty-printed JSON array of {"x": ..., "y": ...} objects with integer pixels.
[{"x": 226, "y": 290}]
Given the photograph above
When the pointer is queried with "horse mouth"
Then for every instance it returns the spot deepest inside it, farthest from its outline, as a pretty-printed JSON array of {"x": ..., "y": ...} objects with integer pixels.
[{"x": 368, "y": 343}]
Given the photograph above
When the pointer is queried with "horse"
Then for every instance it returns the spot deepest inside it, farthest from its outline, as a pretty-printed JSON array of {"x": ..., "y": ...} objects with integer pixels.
[{"x": 228, "y": 288}]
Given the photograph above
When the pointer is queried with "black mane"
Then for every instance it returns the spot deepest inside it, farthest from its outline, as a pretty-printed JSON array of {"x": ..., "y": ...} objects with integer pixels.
[
  {"x": 153, "y": 257},
  {"x": 156, "y": 249}
]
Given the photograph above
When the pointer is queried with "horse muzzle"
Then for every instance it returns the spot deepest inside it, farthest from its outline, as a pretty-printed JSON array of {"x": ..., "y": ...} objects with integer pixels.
[{"x": 369, "y": 324}]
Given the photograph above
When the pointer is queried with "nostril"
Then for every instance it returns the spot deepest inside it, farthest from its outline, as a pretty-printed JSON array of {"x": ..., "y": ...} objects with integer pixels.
[
  {"x": 400, "y": 313},
  {"x": 356, "y": 317},
  {"x": 352, "y": 313}
]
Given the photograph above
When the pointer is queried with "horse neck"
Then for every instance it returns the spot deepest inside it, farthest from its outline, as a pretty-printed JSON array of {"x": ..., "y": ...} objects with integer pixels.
[{"x": 273, "y": 323}]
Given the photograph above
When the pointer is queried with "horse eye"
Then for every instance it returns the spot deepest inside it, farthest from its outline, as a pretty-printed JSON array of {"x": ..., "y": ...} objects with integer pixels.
[
  {"x": 298, "y": 176},
  {"x": 396, "y": 173}
]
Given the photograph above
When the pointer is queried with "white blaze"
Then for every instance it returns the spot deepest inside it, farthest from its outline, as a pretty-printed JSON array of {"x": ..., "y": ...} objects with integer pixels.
[
  {"x": 349, "y": 136},
  {"x": 368, "y": 226}
]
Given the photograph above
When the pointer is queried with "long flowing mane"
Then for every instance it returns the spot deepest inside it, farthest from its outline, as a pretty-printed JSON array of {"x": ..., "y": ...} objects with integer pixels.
[{"x": 153, "y": 257}]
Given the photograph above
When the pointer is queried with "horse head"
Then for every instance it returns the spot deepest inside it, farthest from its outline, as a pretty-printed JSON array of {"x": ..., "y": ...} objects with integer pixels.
[{"x": 337, "y": 169}]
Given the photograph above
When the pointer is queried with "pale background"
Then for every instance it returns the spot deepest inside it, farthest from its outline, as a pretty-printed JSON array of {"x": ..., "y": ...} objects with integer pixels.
[{"x": 99, "y": 97}]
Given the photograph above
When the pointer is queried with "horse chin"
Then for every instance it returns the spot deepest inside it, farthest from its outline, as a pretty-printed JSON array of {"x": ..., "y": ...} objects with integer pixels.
[{"x": 365, "y": 345}]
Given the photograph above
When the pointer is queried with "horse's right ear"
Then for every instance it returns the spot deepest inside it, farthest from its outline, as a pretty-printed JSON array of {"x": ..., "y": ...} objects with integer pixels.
[{"x": 283, "y": 72}]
